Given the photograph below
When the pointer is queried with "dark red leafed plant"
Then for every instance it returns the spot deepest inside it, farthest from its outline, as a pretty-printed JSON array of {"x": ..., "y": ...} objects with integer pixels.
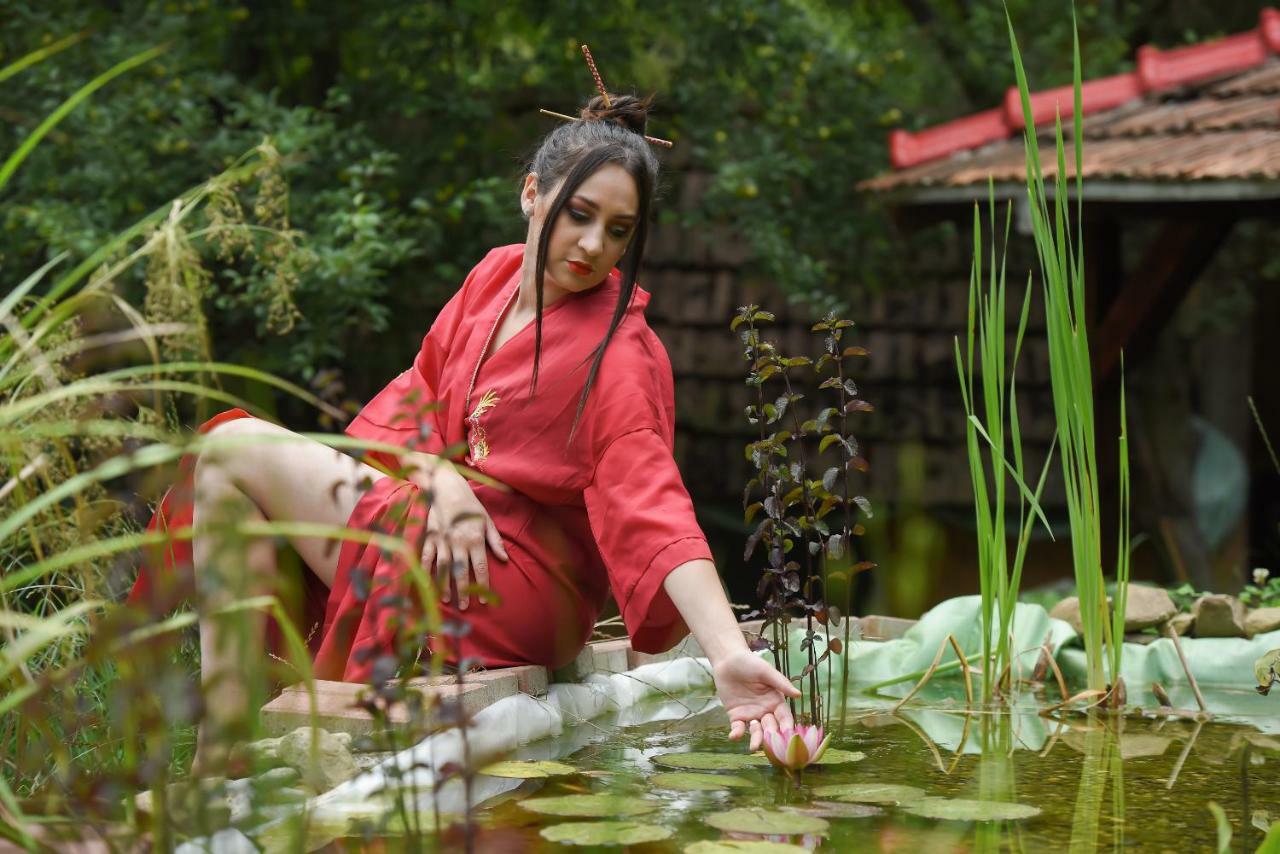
[{"x": 803, "y": 521}]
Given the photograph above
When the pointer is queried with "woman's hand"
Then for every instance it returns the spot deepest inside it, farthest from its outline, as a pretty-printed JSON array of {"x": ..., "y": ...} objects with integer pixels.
[
  {"x": 458, "y": 530},
  {"x": 754, "y": 694}
]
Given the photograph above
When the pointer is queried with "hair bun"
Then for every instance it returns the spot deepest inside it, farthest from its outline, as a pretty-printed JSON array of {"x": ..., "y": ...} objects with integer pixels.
[{"x": 628, "y": 111}]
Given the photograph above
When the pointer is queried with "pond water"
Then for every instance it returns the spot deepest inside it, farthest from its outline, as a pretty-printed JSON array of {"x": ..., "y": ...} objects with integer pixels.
[{"x": 1099, "y": 783}]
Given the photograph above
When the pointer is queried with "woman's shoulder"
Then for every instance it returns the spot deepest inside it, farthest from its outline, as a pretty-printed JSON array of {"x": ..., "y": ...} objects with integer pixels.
[{"x": 495, "y": 269}]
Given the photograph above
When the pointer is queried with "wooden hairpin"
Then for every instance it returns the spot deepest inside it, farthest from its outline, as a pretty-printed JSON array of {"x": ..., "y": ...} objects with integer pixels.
[{"x": 604, "y": 94}]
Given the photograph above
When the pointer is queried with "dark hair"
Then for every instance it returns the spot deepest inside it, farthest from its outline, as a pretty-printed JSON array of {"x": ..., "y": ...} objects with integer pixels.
[{"x": 574, "y": 151}]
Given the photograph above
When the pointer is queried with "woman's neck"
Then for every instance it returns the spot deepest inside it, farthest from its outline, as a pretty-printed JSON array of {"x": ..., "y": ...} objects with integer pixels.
[{"x": 527, "y": 299}]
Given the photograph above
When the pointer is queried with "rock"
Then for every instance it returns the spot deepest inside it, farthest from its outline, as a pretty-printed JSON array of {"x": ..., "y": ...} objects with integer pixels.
[
  {"x": 1219, "y": 616},
  {"x": 334, "y": 763},
  {"x": 277, "y": 778},
  {"x": 205, "y": 802},
  {"x": 1069, "y": 610},
  {"x": 1261, "y": 620},
  {"x": 1146, "y": 607},
  {"x": 1183, "y": 624}
]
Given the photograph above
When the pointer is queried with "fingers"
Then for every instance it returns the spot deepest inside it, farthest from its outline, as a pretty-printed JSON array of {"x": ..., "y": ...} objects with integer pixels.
[
  {"x": 736, "y": 730},
  {"x": 782, "y": 715},
  {"x": 444, "y": 568},
  {"x": 782, "y": 683},
  {"x": 756, "y": 736},
  {"x": 479, "y": 569},
  {"x": 494, "y": 539}
]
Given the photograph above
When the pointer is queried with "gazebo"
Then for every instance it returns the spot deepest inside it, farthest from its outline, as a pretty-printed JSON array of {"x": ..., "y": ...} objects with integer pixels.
[{"x": 1179, "y": 154}]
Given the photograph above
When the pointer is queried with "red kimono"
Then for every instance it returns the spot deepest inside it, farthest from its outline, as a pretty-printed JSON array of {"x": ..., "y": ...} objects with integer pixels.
[{"x": 607, "y": 511}]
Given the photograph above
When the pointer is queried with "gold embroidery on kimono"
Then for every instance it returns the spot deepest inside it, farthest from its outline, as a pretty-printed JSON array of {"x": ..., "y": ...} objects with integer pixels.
[{"x": 477, "y": 439}]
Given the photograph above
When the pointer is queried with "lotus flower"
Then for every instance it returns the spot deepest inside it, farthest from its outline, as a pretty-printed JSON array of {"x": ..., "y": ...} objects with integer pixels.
[{"x": 795, "y": 748}]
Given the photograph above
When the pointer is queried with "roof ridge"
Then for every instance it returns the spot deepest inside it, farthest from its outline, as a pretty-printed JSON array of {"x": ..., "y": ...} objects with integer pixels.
[{"x": 1157, "y": 70}]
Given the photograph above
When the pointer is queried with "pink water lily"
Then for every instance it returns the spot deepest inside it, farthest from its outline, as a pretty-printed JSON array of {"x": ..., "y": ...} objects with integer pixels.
[{"x": 795, "y": 747}]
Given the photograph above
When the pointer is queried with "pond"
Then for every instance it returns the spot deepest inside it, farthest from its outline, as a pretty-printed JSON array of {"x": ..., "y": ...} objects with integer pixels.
[{"x": 1097, "y": 782}]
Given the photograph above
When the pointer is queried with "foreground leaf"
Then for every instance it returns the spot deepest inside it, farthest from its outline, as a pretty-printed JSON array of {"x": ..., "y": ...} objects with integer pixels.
[
  {"x": 765, "y": 822},
  {"x": 604, "y": 833},
  {"x": 528, "y": 769},
  {"x": 589, "y": 806},
  {"x": 961, "y": 809},
  {"x": 871, "y": 793},
  {"x": 692, "y": 781}
]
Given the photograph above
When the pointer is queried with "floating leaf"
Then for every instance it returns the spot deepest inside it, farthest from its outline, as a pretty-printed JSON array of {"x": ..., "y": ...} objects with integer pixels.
[
  {"x": 710, "y": 761},
  {"x": 692, "y": 781},
  {"x": 528, "y": 770},
  {"x": 743, "y": 846},
  {"x": 840, "y": 757},
  {"x": 604, "y": 833},
  {"x": 765, "y": 822},
  {"x": 590, "y": 806},
  {"x": 836, "y": 809},
  {"x": 961, "y": 809},
  {"x": 870, "y": 793}
]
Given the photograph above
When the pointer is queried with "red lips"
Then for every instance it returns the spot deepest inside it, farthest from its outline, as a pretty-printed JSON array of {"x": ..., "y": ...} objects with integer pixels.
[{"x": 580, "y": 268}]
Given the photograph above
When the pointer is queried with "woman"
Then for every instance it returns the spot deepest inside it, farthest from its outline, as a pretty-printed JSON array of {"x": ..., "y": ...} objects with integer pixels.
[{"x": 543, "y": 366}]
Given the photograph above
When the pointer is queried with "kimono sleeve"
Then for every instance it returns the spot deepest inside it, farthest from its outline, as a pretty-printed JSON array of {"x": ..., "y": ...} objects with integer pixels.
[{"x": 644, "y": 527}]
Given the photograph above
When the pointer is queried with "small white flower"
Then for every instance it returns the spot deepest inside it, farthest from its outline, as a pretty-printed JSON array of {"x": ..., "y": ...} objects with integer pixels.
[{"x": 1260, "y": 575}]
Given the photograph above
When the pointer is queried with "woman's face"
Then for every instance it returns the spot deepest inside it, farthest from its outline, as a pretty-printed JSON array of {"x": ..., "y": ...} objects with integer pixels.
[{"x": 593, "y": 229}]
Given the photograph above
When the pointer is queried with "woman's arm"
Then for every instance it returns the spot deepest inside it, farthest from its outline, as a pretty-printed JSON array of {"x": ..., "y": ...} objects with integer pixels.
[{"x": 753, "y": 692}]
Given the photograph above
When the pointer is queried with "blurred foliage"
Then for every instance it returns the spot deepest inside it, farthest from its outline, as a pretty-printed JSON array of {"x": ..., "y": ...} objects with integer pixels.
[{"x": 402, "y": 129}]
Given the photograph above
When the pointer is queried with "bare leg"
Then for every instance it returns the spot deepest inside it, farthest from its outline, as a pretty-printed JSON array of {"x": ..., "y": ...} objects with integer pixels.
[{"x": 268, "y": 474}]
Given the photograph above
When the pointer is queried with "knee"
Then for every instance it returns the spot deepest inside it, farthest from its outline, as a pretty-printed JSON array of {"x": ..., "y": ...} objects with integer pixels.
[{"x": 227, "y": 458}]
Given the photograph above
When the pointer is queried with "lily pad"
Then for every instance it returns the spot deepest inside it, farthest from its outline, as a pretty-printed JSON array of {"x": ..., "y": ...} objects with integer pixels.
[
  {"x": 836, "y": 809},
  {"x": 692, "y": 781},
  {"x": 968, "y": 810},
  {"x": 743, "y": 846},
  {"x": 604, "y": 833},
  {"x": 710, "y": 761},
  {"x": 832, "y": 756},
  {"x": 528, "y": 770},
  {"x": 590, "y": 806},
  {"x": 871, "y": 793},
  {"x": 765, "y": 822}
]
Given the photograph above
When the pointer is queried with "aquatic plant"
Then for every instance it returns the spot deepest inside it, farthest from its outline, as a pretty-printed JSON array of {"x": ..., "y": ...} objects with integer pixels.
[
  {"x": 795, "y": 748},
  {"x": 999, "y": 574},
  {"x": 1060, "y": 250},
  {"x": 804, "y": 550}
]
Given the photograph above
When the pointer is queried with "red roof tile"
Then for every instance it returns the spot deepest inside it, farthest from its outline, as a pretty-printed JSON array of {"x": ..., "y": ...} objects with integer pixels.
[{"x": 1157, "y": 71}]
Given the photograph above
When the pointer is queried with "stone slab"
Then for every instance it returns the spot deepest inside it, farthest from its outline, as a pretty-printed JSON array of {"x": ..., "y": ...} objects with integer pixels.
[
  {"x": 611, "y": 656},
  {"x": 578, "y": 669},
  {"x": 875, "y": 627},
  {"x": 337, "y": 712}
]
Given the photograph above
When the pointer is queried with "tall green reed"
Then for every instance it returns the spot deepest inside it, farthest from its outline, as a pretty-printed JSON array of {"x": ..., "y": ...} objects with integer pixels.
[
  {"x": 988, "y": 439},
  {"x": 1060, "y": 248}
]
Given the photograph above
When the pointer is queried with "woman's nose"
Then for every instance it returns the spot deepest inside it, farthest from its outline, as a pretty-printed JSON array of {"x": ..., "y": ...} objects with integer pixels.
[{"x": 591, "y": 242}]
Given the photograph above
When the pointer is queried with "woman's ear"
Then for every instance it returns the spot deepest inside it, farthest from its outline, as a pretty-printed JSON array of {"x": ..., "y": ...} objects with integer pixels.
[{"x": 528, "y": 194}]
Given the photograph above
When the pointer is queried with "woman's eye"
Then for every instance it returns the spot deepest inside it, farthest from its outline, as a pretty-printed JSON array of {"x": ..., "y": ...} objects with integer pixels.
[
  {"x": 620, "y": 233},
  {"x": 577, "y": 215}
]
